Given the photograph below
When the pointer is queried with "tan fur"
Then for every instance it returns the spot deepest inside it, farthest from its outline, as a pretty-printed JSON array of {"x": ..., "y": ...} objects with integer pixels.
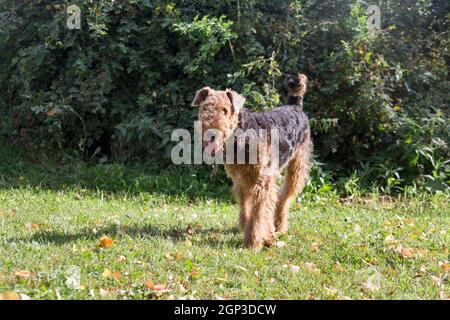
[
  {"x": 297, "y": 172},
  {"x": 256, "y": 192}
]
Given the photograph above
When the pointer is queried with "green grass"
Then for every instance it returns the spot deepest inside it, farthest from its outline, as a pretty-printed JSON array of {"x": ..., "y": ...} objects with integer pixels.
[{"x": 178, "y": 229}]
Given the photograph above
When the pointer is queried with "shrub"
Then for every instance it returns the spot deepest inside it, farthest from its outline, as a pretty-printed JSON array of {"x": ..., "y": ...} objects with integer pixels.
[{"x": 378, "y": 100}]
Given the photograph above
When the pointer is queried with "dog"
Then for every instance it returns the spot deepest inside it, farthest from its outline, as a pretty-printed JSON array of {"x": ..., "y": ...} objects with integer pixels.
[{"x": 263, "y": 210}]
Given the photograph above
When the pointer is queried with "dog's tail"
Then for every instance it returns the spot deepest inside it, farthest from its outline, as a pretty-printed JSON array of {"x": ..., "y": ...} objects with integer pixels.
[{"x": 297, "y": 86}]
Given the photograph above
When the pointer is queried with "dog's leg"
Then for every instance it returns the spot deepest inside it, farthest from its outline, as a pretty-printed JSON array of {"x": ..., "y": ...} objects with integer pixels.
[
  {"x": 244, "y": 202},
  {"x": 296, "y": 176},
  {"x": 260, "y": 228}
]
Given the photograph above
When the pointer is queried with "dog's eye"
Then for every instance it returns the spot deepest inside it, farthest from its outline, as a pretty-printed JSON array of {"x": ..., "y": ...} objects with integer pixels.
[{"x": 225, "y": 111}]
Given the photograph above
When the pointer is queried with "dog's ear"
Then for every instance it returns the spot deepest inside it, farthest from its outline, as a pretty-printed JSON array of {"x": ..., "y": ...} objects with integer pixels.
[
  {"x": 200, "y": 96},
  {"x": 304, "y": 81},
  {"x": 237, "y": 101}
]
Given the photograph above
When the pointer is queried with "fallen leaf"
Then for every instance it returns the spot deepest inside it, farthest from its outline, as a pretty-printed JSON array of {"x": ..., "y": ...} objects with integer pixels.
[
  {"x": 436, "y": 281},
  {"x": 104, "y": 293},
  {"x": 156, "y": 287},
  {"x": 404, "y": 252},
  {"x": 106, "y": 273},
  {"x": 22, "y": 273},
  {"x": 149, "y": 284},
  {"x": 280, "y": 244},
  {"x": 194, "y": 273},
  {"x": 34, "y": 226},
  {"x": 443, "y": 296},
  {"x": 109, "y": 274},
  {"x": 160, "y": 287},
  {"x": 169, "y": 256},
  {"x": 12, "y": 212},
  {"x": 179, "y": 256},
  {"x": 314, "y": 247},
  {"x": 121, "y": 258},
  {"x": 389, "y": 239},
  {"x": 105, "y": 242},
  {"x": 295, "y": 269},
  {"x": 444, "y": 265},
  {"x": 311, "y": 267},
  {"x": 331, "y": 291}
]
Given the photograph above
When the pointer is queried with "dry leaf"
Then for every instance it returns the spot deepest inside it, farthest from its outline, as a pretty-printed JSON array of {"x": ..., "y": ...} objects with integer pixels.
[
  {"x": 22, "y": 273},
  {"x": 294, "y": 269},
  {"x": 194, "y": 273},
  {"x": 149, "y": 284},
  {"x": 311, "y": 267},
  {"x": 156, "y": 287},
  {"x": 389, "y": 239},
  {"x": 34, "y": 226},
  {"x": 160, "y": 287},
  {"x": 169, "y": 256},
  {"x": 404, "y": 252},
  {"x": 280, "y": 244},
  {"x": 104, "y": 293},
  {"x": 121, "y": 258},
  {"x": 331, "y": 291},
  {"x": 444, "y": 265},
  {"x": 109, "y": 274},
  {"x": 106, "y": 273},
  {"x": 178, "y": 256},
  {"x": 436, "y": 281},
  {"x": 105, "y": 242},
  {"x": 443, "y": 296},
  {"x": 314, "y": 247},
  {"x": 12, "y": 212}
]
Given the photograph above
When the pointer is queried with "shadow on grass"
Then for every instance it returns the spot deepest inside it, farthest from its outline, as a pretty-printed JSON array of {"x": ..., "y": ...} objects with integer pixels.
[
  {"x": 212, "y": 237},
  {"x": 186, "y": 182}
]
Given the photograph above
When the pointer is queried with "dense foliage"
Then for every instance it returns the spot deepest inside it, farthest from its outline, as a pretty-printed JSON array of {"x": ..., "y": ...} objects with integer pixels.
[{"x": 378, "y": 100}]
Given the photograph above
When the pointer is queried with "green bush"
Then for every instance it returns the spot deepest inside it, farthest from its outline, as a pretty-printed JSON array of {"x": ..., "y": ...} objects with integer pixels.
[{"x": 378, "y": 101}]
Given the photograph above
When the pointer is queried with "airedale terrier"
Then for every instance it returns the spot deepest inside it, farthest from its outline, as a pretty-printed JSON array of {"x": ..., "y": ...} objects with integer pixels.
[{"x": 263, "y": 212}]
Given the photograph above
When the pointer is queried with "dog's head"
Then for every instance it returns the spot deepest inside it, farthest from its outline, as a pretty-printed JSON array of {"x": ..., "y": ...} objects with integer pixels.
[
  {"x": 218, "y": 113},
  {"x": 297, "y": 84}
]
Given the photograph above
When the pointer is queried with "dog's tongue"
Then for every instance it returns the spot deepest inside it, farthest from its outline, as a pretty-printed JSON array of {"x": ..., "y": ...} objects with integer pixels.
[{"x": 211, "y": 147}]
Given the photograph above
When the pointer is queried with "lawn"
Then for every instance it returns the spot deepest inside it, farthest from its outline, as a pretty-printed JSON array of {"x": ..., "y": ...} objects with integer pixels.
[{"x": 113, "y": 232}]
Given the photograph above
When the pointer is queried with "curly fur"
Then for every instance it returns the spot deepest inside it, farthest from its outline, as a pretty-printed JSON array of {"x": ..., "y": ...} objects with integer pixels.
[{"x": 263, "y": 210}]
